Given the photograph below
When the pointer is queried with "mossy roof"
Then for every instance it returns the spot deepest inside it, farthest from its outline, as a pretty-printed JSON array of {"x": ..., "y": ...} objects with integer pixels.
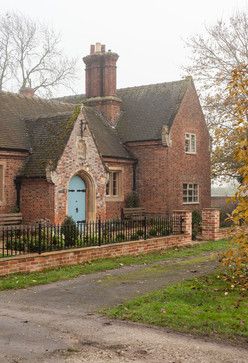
[
  {"x": 47, "y": 139},
  {"x": 106, "y": 138},
  {"x": 145, "y": 109},
  {"x": 15, "y": 109},
  {"x": 43, "y": 127}
]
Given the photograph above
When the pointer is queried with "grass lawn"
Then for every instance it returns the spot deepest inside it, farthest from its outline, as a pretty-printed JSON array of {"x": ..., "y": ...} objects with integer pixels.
[
  {"x": 204, "y": 306},
  {"x": 64, "y": 273}
]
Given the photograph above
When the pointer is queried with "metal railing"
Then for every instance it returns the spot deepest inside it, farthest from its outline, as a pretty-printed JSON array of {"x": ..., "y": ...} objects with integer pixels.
[{"x": 39, "y": 238}]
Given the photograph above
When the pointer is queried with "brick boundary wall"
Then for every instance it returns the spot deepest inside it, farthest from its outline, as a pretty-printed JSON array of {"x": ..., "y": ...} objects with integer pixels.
[
  {"x": 186, "y": 222},
  {"x": 226, "y": 232},
  {"x": 210, "y": 224},
  {"x": 55, "y": 259}
]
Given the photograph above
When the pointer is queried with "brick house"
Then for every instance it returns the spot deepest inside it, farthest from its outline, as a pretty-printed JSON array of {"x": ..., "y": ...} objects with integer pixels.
[{"x": 83, "y": 155}]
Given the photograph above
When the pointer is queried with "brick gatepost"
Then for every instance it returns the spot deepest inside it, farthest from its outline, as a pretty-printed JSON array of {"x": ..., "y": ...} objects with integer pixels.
[
  {"x": 210, "y": 224},
  {"x": 186, "y": 222}
]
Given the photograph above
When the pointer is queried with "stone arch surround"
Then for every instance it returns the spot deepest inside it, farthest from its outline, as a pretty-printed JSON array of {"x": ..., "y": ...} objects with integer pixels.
[
  {"x": 88, "y": 166},
  {"x": 90, "y": 194}
]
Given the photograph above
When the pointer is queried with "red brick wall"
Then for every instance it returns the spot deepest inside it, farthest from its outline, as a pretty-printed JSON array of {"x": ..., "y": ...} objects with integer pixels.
[
  {"x": 224, "y": 233},
  {"x": 161, "y": 171},
  {"x": 76, "y": 256},
  {"x": 189, "y": 168},
  {"x": 12, "y": 163},
  {"x": 222, "y": 203},
  {"x": 114, "y": 208},
  {"x": 151, "y": 175},
  {"x": 210, "y": 224},
  {"x": 37, "y": 200}
]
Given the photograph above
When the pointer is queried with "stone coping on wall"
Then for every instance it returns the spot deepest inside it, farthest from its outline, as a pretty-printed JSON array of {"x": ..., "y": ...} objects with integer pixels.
[{"x": 54, "y": 259}]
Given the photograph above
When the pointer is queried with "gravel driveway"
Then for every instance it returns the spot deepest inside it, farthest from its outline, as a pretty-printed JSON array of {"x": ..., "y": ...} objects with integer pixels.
[{"x": 59, "y": 322}]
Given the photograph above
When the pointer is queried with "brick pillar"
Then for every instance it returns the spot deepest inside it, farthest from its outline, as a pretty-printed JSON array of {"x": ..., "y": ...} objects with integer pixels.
[
  {"x": 186, "y": 222},
  {"x": 210, "y": 224}
]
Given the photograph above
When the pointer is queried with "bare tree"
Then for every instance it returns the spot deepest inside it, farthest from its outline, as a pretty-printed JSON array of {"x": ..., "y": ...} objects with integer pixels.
[
  {"x": 5, "y": 52},
  {"x": 32, "y": 56},
  {"x": 214, "y": 56}
]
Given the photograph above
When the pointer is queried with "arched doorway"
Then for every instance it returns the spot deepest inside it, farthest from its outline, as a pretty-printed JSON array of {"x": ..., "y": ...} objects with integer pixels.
[{"x": 77, "y": 199}]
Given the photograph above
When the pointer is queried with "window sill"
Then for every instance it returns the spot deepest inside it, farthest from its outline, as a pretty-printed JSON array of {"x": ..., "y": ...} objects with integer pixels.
[
  {"x": 118, "y": 198},
  {"x": 187, "y": 203},
  {"x": 190, "y": 152}
]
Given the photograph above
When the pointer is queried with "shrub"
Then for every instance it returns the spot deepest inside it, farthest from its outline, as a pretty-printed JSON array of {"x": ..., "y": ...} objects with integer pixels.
[
  {"x": 236, "y": 258},
  {"x": 132, "y": 200},
  {"x": 164, "y": 232},
  {"x": 70, "y": 231},
  {"x": 153, "y": 232},
  {"x": 196, "y": 223},
  {"x": 120, "y": 237},
  {"x": 134, "y": 237},
  {"x": 140, "y": 232},
  {"x": 225, "y": 211},
  {"x": 15, "y": 245}
]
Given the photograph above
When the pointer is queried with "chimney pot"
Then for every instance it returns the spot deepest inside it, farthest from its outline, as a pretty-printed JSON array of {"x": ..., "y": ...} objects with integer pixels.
[
  {"x": 98, "y": 48},
  {"x": 27, "y": 91},
  {"x": 92, "y": 49}
]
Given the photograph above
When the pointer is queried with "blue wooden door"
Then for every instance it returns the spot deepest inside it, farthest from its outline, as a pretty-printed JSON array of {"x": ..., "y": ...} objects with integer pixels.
[{"x": 76, "y": 199}]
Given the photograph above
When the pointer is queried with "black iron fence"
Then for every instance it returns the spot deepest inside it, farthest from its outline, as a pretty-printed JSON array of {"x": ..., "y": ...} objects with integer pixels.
[{"x": 39, "y": 238}]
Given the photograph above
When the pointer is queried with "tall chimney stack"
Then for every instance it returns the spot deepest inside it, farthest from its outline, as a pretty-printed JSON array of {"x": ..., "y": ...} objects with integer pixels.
[{"x": 101, "y": 82}]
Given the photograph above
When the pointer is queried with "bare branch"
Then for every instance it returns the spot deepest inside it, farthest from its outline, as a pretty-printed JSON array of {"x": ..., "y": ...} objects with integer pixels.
[
  {"x": 34, "y": 56},
  {"x": 214, "y": 55}
]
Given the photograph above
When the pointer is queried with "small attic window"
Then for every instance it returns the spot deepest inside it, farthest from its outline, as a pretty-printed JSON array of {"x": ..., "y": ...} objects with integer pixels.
[{"x": 190, "y": 143}]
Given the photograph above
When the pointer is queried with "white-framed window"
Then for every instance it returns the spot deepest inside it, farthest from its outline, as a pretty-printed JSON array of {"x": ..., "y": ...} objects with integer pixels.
[
  {"x": 190, "y": 143},
  {"x": 1, "y": 183},
  {"x": 190, "y": 193},
  {"x": 113, "y": 187}
]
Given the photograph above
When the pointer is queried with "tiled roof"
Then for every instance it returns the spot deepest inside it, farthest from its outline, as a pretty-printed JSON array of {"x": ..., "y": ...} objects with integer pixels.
[
  {"x": 106, "y": 138},
  {"x": 14, "y": 109},
  {"x": 147, "y": 108},
  {"x": 41, "y": 126},
  {"x": 48, "y": 137}
]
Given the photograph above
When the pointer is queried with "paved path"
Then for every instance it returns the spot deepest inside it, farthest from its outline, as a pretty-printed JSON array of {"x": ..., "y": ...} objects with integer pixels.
[{"x": 59, "y": 323}]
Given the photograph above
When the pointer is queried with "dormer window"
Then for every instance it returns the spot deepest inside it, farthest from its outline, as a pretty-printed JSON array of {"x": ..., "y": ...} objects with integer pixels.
[{"x": 190, "y": 143}]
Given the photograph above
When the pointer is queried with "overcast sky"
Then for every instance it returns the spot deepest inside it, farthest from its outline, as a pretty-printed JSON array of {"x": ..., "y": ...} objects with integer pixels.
[{"x": 147, "y": 35}]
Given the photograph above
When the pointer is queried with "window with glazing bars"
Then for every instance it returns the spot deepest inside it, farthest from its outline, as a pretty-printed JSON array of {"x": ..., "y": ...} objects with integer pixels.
[
  {"x": 190, "y": 193},
  {"x": 113, "y": 185}
]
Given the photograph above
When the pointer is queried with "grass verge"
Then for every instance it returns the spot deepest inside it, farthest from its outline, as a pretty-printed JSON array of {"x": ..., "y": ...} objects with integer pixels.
[
  {"x": 204, "y": 306},
  {"x": 23, "y": 280}
]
